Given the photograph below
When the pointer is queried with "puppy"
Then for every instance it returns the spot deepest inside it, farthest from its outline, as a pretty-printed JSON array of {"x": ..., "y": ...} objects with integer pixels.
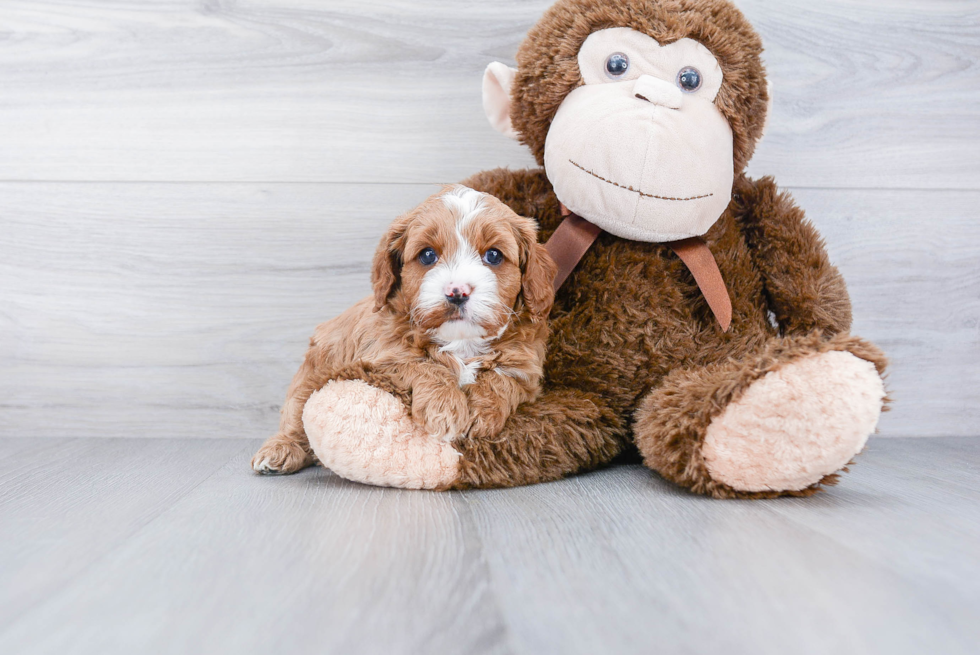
[{"x": 456, "y": 326}]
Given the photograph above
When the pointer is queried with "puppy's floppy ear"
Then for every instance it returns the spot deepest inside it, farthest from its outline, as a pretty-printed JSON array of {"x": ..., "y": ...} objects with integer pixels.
[
  {"x": 386, "y": 268},
  {"x": 538, "y": 269}
]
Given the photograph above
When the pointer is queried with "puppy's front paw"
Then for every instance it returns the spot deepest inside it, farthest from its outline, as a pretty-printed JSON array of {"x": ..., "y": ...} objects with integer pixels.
[
  {"x": 443, "y": 412},
  {"x": 280, "y": 455}
]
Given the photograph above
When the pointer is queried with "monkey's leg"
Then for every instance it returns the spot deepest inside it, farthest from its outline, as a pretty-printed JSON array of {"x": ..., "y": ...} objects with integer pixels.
[
  {"x": 563, "y": 431},
  {"x": 780, "y": 421},
  {"x": 365, "y": 434}
]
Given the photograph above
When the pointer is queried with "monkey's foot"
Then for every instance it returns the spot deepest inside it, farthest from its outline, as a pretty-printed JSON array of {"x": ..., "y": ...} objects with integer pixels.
[
  {"x": 366, "y": 435},
  {"x": 795, "y": 425}
]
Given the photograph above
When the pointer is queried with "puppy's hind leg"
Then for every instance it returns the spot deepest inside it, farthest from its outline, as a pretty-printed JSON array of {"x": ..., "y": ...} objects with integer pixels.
[
  {"x": 289, "y": 450},
  {"x": 282, "y": 454}
]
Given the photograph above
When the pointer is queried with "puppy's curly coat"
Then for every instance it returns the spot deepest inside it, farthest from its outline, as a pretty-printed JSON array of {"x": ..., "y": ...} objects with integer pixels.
[{"x": 456, "y": 327}]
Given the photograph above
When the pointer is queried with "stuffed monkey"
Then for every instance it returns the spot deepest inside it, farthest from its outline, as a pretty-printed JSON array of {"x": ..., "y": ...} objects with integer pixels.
[{"x": 701, "y": 322}]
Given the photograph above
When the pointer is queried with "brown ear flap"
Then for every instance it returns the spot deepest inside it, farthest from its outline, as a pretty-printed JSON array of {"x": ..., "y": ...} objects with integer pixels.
[
  {"x": 387, "y": 265},
  {"x": 539, "y": 273}
]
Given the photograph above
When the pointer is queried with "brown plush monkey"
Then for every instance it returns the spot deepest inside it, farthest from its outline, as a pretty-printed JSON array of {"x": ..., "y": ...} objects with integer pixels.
[{"x": 704, "y": 326}]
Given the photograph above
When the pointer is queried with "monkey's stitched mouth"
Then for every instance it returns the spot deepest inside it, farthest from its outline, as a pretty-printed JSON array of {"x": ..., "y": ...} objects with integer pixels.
[{"x": 629, "y": 188}]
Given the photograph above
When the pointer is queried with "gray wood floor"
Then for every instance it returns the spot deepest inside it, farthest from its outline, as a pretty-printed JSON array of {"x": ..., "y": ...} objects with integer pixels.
[{"x": 174, "y": 546}]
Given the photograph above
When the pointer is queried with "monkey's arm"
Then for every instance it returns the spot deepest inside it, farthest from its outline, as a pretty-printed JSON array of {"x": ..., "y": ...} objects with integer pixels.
[
  {"x": 527, "y": 192},
  {"x": 805, "y": 291}
]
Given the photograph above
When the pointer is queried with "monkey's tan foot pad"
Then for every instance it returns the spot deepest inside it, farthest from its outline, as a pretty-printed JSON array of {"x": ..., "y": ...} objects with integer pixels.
[
  {"x": 796, "y": 425},
  {"x": 366, "y": 435}
]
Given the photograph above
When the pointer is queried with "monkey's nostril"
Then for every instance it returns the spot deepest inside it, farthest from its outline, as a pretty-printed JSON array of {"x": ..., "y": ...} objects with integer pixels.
[
  {"x": 668, "y": 104},
  {"x": 657, "y": 92}
]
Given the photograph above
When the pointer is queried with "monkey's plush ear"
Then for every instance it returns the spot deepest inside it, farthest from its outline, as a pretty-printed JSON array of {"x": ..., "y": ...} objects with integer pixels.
[{"x": 497, "y": 82}]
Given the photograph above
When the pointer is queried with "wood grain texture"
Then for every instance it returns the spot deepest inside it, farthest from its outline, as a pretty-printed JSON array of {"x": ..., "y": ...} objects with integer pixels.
[
  {"x": 301, "y": 564},
  {"x": 173, "y": 310},
  {"x": 615, "y": 561},
  {"x": 912, "y": 267},
  {"x": 667, "y": 572},
  {"x": 868, "y": 93},
  {"x": 183, "y": 309},
  {"x": 67, "y": 504}
]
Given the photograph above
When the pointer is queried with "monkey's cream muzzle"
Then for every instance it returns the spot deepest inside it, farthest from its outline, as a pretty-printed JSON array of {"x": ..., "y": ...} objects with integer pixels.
[
  {"x": 639, "y": 150},
  {"x": 636, "y": 155}
]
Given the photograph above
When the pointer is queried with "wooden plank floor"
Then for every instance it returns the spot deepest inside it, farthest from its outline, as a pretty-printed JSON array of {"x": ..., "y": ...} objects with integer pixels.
[{"x": 174, "y": 546}]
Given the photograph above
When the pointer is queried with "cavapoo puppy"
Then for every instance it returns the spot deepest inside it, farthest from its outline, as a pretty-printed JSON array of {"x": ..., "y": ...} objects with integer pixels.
[{"x": 456, "y": 327}]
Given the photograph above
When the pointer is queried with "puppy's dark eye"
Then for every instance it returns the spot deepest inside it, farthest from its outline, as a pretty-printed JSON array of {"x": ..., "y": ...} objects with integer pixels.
[
  {"x": 689, "y": 79},
  {"x": 617, "y": 64},
  {"x": 493, "y": 257},
  {"x": 428, "y": 257}
]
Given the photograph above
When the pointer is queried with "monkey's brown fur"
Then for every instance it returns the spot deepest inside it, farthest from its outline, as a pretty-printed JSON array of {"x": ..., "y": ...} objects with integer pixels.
[
  {"x": 548, "y": 66},
  {"x": 635, "y": 356}
]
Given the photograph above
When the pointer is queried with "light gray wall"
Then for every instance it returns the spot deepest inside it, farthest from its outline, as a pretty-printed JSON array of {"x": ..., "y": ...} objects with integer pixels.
[{"x": 187, "y": 188}]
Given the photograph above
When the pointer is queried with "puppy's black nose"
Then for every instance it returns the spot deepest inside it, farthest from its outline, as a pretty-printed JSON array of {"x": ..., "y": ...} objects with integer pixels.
[{"x": 457, "y": 297}]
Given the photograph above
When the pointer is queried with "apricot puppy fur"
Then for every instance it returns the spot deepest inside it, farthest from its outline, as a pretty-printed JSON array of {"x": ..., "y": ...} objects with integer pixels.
[{"x": 457, "y": 326}]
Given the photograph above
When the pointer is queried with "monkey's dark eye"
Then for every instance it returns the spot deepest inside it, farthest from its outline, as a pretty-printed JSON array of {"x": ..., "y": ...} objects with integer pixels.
[
  {"x": 493, "y": 257},
  {"x": 428, "y": 257},
  {"x": 617, "y": 64},
  {"x": 689, "y": 79}
]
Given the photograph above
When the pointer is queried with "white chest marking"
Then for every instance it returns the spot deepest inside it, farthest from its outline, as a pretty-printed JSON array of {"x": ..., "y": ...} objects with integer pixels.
[
  {"x": 466, "y": 353},
  {"x": 467, "y": 371}
]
